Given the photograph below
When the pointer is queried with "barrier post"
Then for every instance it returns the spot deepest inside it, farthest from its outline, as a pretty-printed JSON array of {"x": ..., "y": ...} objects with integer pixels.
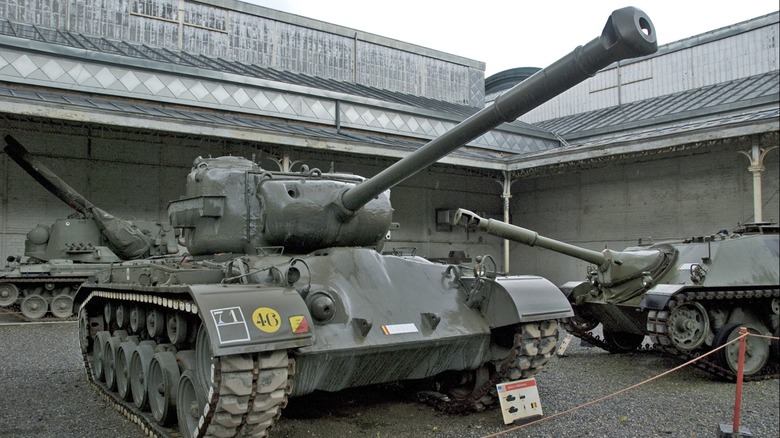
[
  {"x": 735, "y": 431},
  {"x": 740, "y": 375}
]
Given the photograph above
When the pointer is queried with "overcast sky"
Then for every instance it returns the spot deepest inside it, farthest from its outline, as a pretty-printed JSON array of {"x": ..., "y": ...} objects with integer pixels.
[{"x": 516, "y": 33}]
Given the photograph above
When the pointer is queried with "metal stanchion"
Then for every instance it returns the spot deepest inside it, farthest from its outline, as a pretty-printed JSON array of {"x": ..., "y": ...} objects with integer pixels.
[{"x": 733, "y": 430}]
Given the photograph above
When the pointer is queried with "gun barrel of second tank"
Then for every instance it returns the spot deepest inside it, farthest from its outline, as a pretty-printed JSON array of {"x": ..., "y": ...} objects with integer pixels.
[
  {"x": 526, "y": 236},
  {"x": 628, "y": 33},
  {"x": 46, "y": 177}
]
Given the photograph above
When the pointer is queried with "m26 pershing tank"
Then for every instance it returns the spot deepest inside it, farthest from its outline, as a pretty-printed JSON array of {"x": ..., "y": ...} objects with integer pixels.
[
  {"x": 299, "y": 299},
  {"x": 689, "y": 296},
  {"x": 61, "y": 256}
]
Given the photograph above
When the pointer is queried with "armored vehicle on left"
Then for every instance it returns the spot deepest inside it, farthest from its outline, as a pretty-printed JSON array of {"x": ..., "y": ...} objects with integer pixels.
[{"x": 62, "y": 256}]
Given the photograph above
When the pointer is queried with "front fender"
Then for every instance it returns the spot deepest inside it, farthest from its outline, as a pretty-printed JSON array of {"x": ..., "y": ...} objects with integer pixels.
[
  {"x": 524, "y": 298},
  {"x": 574, "y": 289},
  {"x": 249, "y": 319},
  {"x": 658, "y": 296}
]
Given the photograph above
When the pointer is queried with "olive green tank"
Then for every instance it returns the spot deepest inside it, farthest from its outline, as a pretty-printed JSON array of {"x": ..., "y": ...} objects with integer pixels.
[
  {"x": 284, "y": 291},
  {"x": 59, "y": 257},
  {"x": 690, "y": 296}
]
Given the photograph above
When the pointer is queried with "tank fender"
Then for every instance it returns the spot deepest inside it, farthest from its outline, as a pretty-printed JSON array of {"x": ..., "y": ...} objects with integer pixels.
[
  {"x": 524, "y": 298},
  {"x": 250, "y": 318},
  {"x": 658, "y": 296},
  {"x": 569, "y": 287}
]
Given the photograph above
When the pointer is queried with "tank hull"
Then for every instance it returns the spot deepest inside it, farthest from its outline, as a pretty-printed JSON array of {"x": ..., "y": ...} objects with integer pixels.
[{"x": 363, "y": 318}]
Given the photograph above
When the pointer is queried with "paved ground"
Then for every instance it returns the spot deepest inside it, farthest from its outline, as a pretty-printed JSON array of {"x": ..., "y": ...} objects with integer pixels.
[
  {"x": 7, "y": 317},
  {"x": 44, "y": 393}
]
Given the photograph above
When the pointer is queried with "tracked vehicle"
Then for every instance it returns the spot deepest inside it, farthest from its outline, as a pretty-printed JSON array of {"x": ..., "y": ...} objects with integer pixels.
[
  {"x": 298, "y": 297},
  {"x": 690, "y": 296},
  {"x": 61, "y": 256}
]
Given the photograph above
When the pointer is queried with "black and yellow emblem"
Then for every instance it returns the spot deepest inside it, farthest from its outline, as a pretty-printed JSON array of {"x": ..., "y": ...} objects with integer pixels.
[{"x": 266, "y": 319}]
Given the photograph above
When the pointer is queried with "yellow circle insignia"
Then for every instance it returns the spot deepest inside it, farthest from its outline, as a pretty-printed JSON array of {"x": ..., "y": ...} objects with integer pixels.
[{"x": 266, "y": 319}]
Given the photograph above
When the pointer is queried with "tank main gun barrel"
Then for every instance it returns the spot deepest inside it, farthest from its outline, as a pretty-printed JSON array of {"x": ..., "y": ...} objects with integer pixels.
[
  {"x": 526, "y": 236},
  {"x": 628, "y": 33},
  {"x": 46, "y": 177}
]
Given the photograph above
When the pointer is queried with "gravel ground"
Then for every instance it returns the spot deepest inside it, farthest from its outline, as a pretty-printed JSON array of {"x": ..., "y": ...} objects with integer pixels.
[{"x": 44, "y": 393}]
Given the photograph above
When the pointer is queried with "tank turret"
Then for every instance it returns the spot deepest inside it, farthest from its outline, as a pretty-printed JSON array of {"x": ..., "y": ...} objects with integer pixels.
[
  {"x": 689, "y": 296},
  {"x": 286, "y": 293},
  {"x": 237, "y": 207}
]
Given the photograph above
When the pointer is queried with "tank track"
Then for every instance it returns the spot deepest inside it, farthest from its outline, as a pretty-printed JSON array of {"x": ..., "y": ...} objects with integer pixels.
[
  {"x": 589, "y": 337},
  {"x": 533, "y": 345},
  {"x": 245, "y": 395},
  {"x": 660, "y": 334}
]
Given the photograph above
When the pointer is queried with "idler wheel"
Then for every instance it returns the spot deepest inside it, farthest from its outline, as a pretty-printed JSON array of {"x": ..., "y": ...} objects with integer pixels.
[
  {"x": 34, "y": 306},
  {"x": 98, "y": 366},
  {"x": 190, "y": 401},
  {"x": 61, "y": 306},
  {"x": 163, "y": 385},
  {"x": 623, "y": 341},
  {"x": 124, "y": 354},
  {"x": 204, "y": 359},
  {"x": 84, "y": 331},
  {"x": 689, "y": 325},
  {"x": 466, "y": 382},
  {"x": 8, "y": 294},
  {"x": 139, "y": 372},
  {"x": 756, "y": 349}
]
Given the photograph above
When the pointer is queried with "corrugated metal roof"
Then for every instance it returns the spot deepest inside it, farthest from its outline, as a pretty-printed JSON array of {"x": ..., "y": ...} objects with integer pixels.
[
  {"x": 727, "y": 96},
  {"x": 679, "y": 112},
  {"x": 122, "y": 48},
  {"x": 157, "y": 111}
]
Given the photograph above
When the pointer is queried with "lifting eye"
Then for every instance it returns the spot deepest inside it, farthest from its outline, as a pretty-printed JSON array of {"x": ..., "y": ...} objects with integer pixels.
[{"x": 293, "y": 275}]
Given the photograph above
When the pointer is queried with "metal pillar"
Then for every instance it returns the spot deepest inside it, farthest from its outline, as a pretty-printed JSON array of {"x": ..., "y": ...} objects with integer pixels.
[
  {"x": 506, "y": 195},
  {"x": 756, "y": 157}
]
